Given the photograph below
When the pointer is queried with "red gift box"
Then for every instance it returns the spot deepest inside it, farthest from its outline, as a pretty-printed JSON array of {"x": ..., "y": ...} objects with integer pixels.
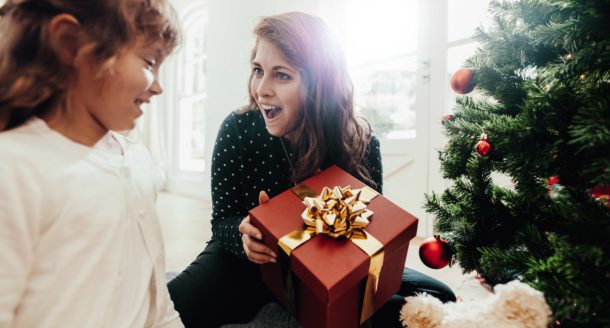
[{"x": 331, "y": 273}]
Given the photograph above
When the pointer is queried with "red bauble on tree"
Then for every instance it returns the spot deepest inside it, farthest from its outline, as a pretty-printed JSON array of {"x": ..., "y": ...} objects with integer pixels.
[
  {"x": 552, "y": 181},
  {"x": 434, "y": 252},
  {"x": 462, "y": 81},
  {"x": 601, "y": 194},
  {"x": 554, "y": 187},
  {"x": 447, "y": 118},
  {"x": 483, "y": 147},
  {"x": 556, "y": 190}
]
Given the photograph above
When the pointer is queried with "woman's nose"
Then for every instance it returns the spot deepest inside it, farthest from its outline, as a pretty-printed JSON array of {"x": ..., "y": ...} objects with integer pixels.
[{"x": 264, "y": 88}]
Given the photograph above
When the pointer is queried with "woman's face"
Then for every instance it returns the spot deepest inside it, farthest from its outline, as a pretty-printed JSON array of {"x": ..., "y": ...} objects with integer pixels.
[{"x": 276, "y": 87}]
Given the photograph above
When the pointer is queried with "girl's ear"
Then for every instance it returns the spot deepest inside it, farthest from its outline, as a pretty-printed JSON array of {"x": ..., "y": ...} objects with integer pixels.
[{"x": 65, "y": 37}]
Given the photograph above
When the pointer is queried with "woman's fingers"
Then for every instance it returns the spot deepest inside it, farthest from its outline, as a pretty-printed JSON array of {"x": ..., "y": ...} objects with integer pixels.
[
  {"x": 254, "y": 245},
  {"x": 263, "y": 197},
  {"x": 246, "y": 228},
  {"x": 256, "y": 251}
]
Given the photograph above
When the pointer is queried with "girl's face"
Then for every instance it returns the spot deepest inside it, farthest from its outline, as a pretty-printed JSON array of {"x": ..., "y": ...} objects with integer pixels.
[
  {"x": 276, "y": 87},
  {"x": 114, "y": 101}
]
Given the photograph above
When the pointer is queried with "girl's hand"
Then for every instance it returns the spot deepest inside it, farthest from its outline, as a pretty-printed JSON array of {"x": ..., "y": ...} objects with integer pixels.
[{"x": 256, "y": 251}]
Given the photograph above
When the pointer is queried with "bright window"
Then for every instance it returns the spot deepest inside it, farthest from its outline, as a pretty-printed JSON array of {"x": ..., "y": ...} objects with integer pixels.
[
  {"x": 384, "y": 56},
  {"x": 191, "y": 116},
  {"x": 464, "y": 18},
  {"x": 381, "y": 50}
]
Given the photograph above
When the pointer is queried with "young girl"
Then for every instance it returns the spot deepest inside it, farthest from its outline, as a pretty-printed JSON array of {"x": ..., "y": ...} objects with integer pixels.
[
  {"x": 80, "y": 242},
  {"x": 300, "y": 119}
]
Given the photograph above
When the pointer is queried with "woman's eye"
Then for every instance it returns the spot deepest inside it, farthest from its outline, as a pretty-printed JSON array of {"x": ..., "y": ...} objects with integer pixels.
[
  {"x": 282, "y": 76},
  {"x": 257, "y": 71}
]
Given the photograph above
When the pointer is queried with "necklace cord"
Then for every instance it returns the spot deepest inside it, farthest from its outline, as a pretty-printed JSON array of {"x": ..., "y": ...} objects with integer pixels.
[{"x": 287, "y": 156}]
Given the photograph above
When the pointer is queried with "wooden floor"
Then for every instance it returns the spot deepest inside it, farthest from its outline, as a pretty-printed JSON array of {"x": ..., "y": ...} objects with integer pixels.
[{"x": 186, "y": 227}]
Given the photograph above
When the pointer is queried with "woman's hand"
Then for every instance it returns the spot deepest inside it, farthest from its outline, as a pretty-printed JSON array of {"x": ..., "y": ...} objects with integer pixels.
[{"x": 256, "y": 251}]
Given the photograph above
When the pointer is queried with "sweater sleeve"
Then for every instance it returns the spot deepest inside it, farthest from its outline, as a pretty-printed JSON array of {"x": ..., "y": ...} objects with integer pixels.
[
  {"x": 374, "y": 165},
  {"x": 228, "y": 202}
]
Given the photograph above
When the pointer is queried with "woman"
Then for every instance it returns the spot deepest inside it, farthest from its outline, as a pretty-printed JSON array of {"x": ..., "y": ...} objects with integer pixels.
[{"x": 300, "y": 119}]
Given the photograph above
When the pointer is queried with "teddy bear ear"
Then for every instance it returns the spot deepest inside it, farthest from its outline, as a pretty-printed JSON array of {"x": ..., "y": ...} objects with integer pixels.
[
  {"x": 523, "y": 304},
  {"x": 422, "y": 311}
]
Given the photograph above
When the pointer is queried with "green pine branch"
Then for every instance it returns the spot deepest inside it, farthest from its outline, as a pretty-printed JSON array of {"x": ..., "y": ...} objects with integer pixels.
[{"x": 542, "y": 76}]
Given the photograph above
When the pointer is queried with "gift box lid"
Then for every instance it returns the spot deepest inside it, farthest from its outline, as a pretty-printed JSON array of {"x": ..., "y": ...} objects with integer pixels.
[{"x": 330, "y": 267}]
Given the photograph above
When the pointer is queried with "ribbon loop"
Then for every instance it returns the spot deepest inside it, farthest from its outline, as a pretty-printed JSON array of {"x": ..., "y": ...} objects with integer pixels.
[{"x": 337, "y": 212}]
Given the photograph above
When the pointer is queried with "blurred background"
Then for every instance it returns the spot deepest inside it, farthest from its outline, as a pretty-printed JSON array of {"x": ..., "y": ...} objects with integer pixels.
[{"x": 401, "y": 54}]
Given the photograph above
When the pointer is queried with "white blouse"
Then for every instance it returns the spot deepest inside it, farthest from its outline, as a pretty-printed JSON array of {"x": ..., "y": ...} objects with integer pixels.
[{"x": 80, "y": 241}]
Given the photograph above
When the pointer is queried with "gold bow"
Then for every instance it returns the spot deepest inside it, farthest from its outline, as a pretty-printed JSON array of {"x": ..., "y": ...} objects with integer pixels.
[{"x": 337, "y": 212}]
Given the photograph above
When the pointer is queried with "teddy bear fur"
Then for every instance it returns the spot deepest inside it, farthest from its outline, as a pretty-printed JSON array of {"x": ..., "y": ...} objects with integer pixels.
[{"x": 513, "y": 305}]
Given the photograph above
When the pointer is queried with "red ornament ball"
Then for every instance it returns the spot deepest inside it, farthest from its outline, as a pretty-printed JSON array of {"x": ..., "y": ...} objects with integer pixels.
[
  {"x": 601, "y": 194},
  {"x": 434, "y": 252},
  {"x": 552, "y": 181},
  {"x": 600, "y": 191},
  {"x": 483, "y": 147},
  {"x": 447, "y": 118},
  {"x": 462, "y": 81}
]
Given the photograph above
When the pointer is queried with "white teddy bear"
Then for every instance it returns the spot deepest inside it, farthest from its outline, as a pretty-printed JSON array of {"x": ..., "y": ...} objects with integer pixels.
[{"x": 513, "y": 305}]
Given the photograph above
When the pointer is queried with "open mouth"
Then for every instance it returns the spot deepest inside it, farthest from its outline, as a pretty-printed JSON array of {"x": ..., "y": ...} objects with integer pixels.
[{"x": 271, "y": 111}]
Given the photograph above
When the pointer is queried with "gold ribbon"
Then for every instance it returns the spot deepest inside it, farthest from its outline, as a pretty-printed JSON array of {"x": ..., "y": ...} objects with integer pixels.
[{"x": 340, "y": 212}]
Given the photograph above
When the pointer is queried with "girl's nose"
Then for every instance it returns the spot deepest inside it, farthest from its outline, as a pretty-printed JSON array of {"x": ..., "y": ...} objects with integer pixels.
[{"x": 156, "y": 88}]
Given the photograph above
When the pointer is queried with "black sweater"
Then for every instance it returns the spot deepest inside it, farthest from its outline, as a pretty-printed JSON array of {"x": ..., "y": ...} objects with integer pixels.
[{"x": 246, "y": 160}]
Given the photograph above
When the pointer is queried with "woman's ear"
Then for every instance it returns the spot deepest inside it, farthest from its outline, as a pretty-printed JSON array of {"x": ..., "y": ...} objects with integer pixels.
[{"x": 65, "y": 37}]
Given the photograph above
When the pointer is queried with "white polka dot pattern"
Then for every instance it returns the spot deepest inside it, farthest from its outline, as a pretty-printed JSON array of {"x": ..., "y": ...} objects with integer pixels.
[{"x": 246, "y": 160}]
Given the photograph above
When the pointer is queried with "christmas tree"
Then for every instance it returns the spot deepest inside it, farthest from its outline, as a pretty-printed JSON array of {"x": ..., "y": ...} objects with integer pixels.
[{"x": 538, "y": 117}]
